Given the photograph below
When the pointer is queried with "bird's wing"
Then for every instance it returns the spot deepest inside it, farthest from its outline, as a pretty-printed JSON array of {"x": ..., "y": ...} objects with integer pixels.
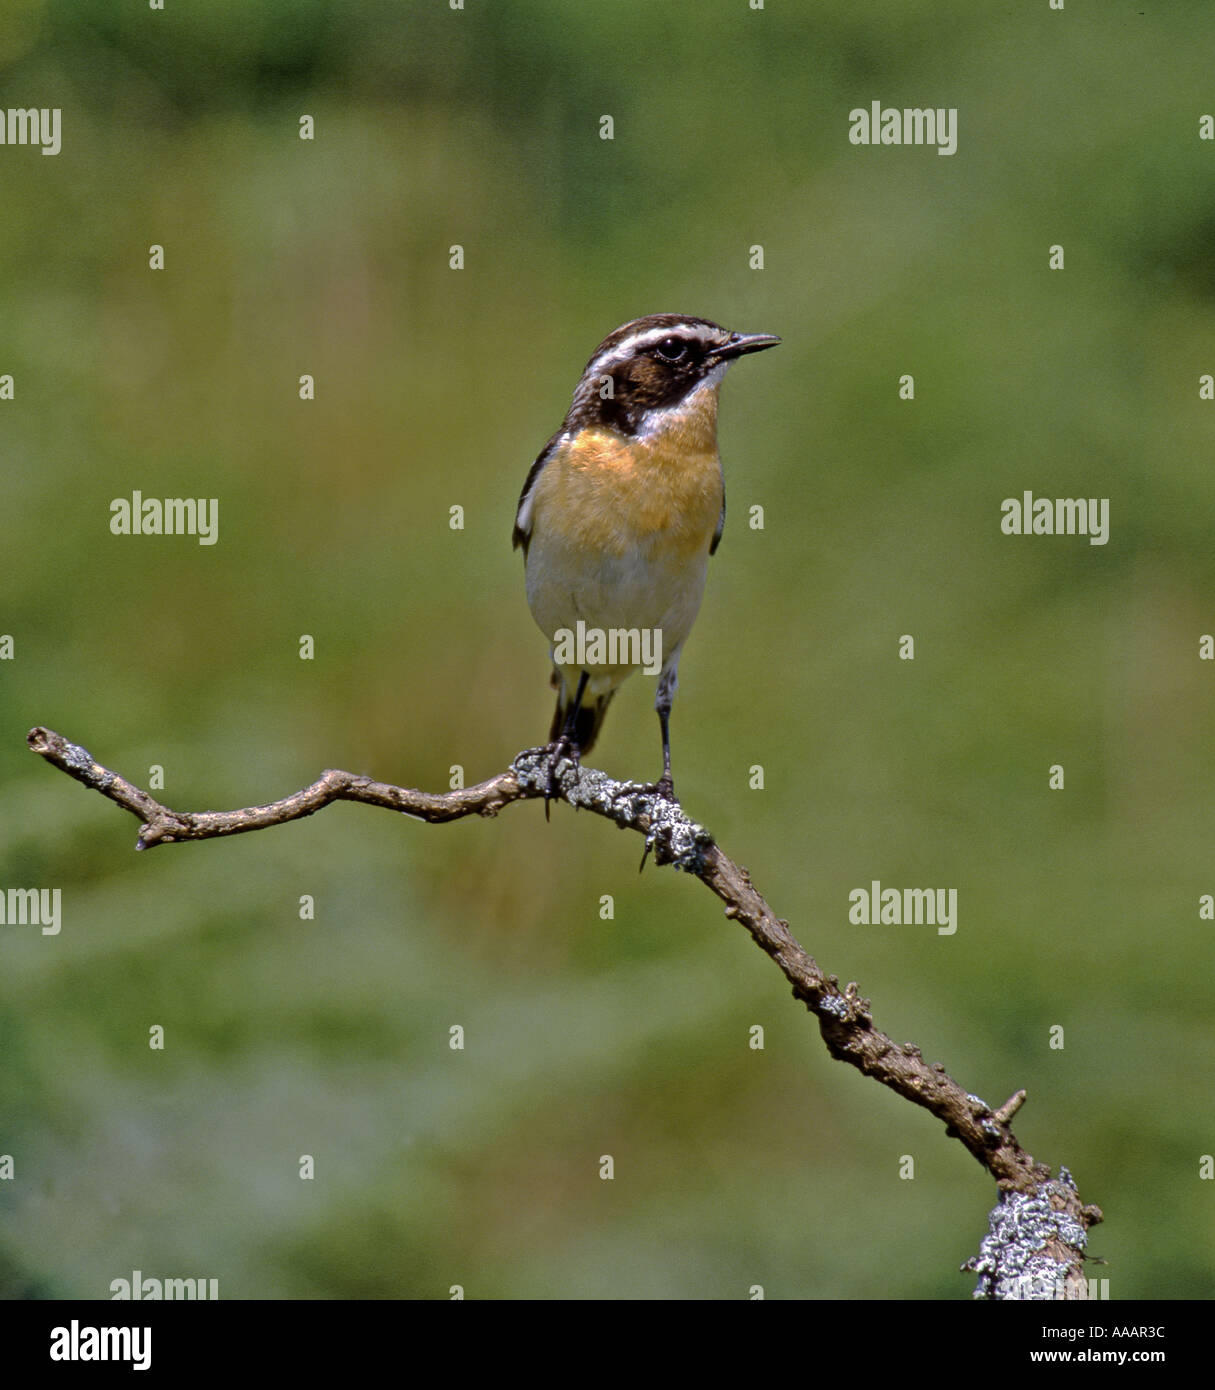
[
  {"x": 721, "y": 520},
  {"x": 523, "y": 515}
]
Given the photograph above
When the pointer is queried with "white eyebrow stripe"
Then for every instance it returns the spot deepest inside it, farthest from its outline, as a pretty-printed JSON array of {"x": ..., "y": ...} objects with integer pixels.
[{"x": 647, "y": 338}]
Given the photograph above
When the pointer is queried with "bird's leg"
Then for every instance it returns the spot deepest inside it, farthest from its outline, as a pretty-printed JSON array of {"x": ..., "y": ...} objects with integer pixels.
[
  {"x": 665, "y": 786},
  {"x": 662, "y": 703},
  {"x": 666, "y": 783},
  {"x": 563, "y": 746}
]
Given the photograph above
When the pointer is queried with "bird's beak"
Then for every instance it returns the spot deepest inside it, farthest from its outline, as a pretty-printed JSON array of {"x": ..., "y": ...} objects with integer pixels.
[{"x": 741, "y": 343}]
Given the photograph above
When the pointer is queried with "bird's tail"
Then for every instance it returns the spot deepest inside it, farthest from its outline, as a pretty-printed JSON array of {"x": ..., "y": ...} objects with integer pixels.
[{"x": 586, "y": 722}]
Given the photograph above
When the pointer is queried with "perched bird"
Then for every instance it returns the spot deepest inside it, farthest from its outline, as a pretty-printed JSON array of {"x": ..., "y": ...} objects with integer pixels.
[{"x": 620, "y": 513}]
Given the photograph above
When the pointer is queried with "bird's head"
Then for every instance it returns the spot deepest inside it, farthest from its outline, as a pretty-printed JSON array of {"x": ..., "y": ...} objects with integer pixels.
[{"x": 648, "y": 368}]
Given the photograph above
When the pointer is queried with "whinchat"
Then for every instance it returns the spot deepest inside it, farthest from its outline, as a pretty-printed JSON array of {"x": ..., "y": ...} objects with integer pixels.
[{"x": 620, "y": 513}]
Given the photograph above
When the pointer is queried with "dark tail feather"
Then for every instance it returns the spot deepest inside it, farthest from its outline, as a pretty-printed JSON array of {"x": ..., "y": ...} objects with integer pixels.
[{"x": 586, "y": 722}]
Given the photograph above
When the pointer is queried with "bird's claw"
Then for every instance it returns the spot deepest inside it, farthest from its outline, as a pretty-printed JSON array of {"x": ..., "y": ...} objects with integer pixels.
[
  {"x": 558, "y": 750},
  {"x": 664, "y": 787}
]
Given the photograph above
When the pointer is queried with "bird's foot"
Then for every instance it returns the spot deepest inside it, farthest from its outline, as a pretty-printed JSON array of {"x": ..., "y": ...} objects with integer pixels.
[
  {"x": 560, "y": 749},
  {"x": 664, "y": 787}
]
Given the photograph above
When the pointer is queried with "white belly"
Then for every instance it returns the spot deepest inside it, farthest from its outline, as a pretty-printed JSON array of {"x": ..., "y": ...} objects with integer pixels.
[{"x": 641, "y": 589}]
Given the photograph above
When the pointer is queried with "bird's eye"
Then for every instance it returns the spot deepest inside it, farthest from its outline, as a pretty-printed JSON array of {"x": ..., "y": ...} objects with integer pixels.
[{"x": 672, "y": 349}]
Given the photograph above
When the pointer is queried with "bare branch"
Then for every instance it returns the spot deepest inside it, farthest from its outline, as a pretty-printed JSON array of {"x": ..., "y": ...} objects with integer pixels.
[{"x": 1034, "y": 1206}]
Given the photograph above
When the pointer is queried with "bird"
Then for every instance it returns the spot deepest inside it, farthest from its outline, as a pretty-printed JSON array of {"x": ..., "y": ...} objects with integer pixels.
[{"x": 618, "y": 518}]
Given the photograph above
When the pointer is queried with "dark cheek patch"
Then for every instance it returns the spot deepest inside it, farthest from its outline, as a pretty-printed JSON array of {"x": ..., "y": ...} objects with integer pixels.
[
  {"x": 653, "y": 385},
  {"x": 638, "y": 386}
]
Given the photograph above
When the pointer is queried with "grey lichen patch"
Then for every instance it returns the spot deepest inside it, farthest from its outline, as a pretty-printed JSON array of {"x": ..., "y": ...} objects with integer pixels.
[
  {"x": 82, "y": 765},
  {"x": 1013, "y": 1263},
  {"x": 671, "y": 835},
  {"x": 79, "y": 760}
]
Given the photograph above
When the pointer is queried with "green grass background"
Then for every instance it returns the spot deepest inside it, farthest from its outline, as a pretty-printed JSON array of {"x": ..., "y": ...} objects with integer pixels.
[{"x": 437, "y": 388}]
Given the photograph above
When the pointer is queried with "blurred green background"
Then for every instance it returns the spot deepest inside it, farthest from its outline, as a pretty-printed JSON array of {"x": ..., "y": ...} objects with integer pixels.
[{"x": 436, "y": 388}]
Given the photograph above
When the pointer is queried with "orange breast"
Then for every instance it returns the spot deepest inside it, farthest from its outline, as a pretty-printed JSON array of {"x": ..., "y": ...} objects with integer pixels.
[{"x": 609, "y": 493}]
